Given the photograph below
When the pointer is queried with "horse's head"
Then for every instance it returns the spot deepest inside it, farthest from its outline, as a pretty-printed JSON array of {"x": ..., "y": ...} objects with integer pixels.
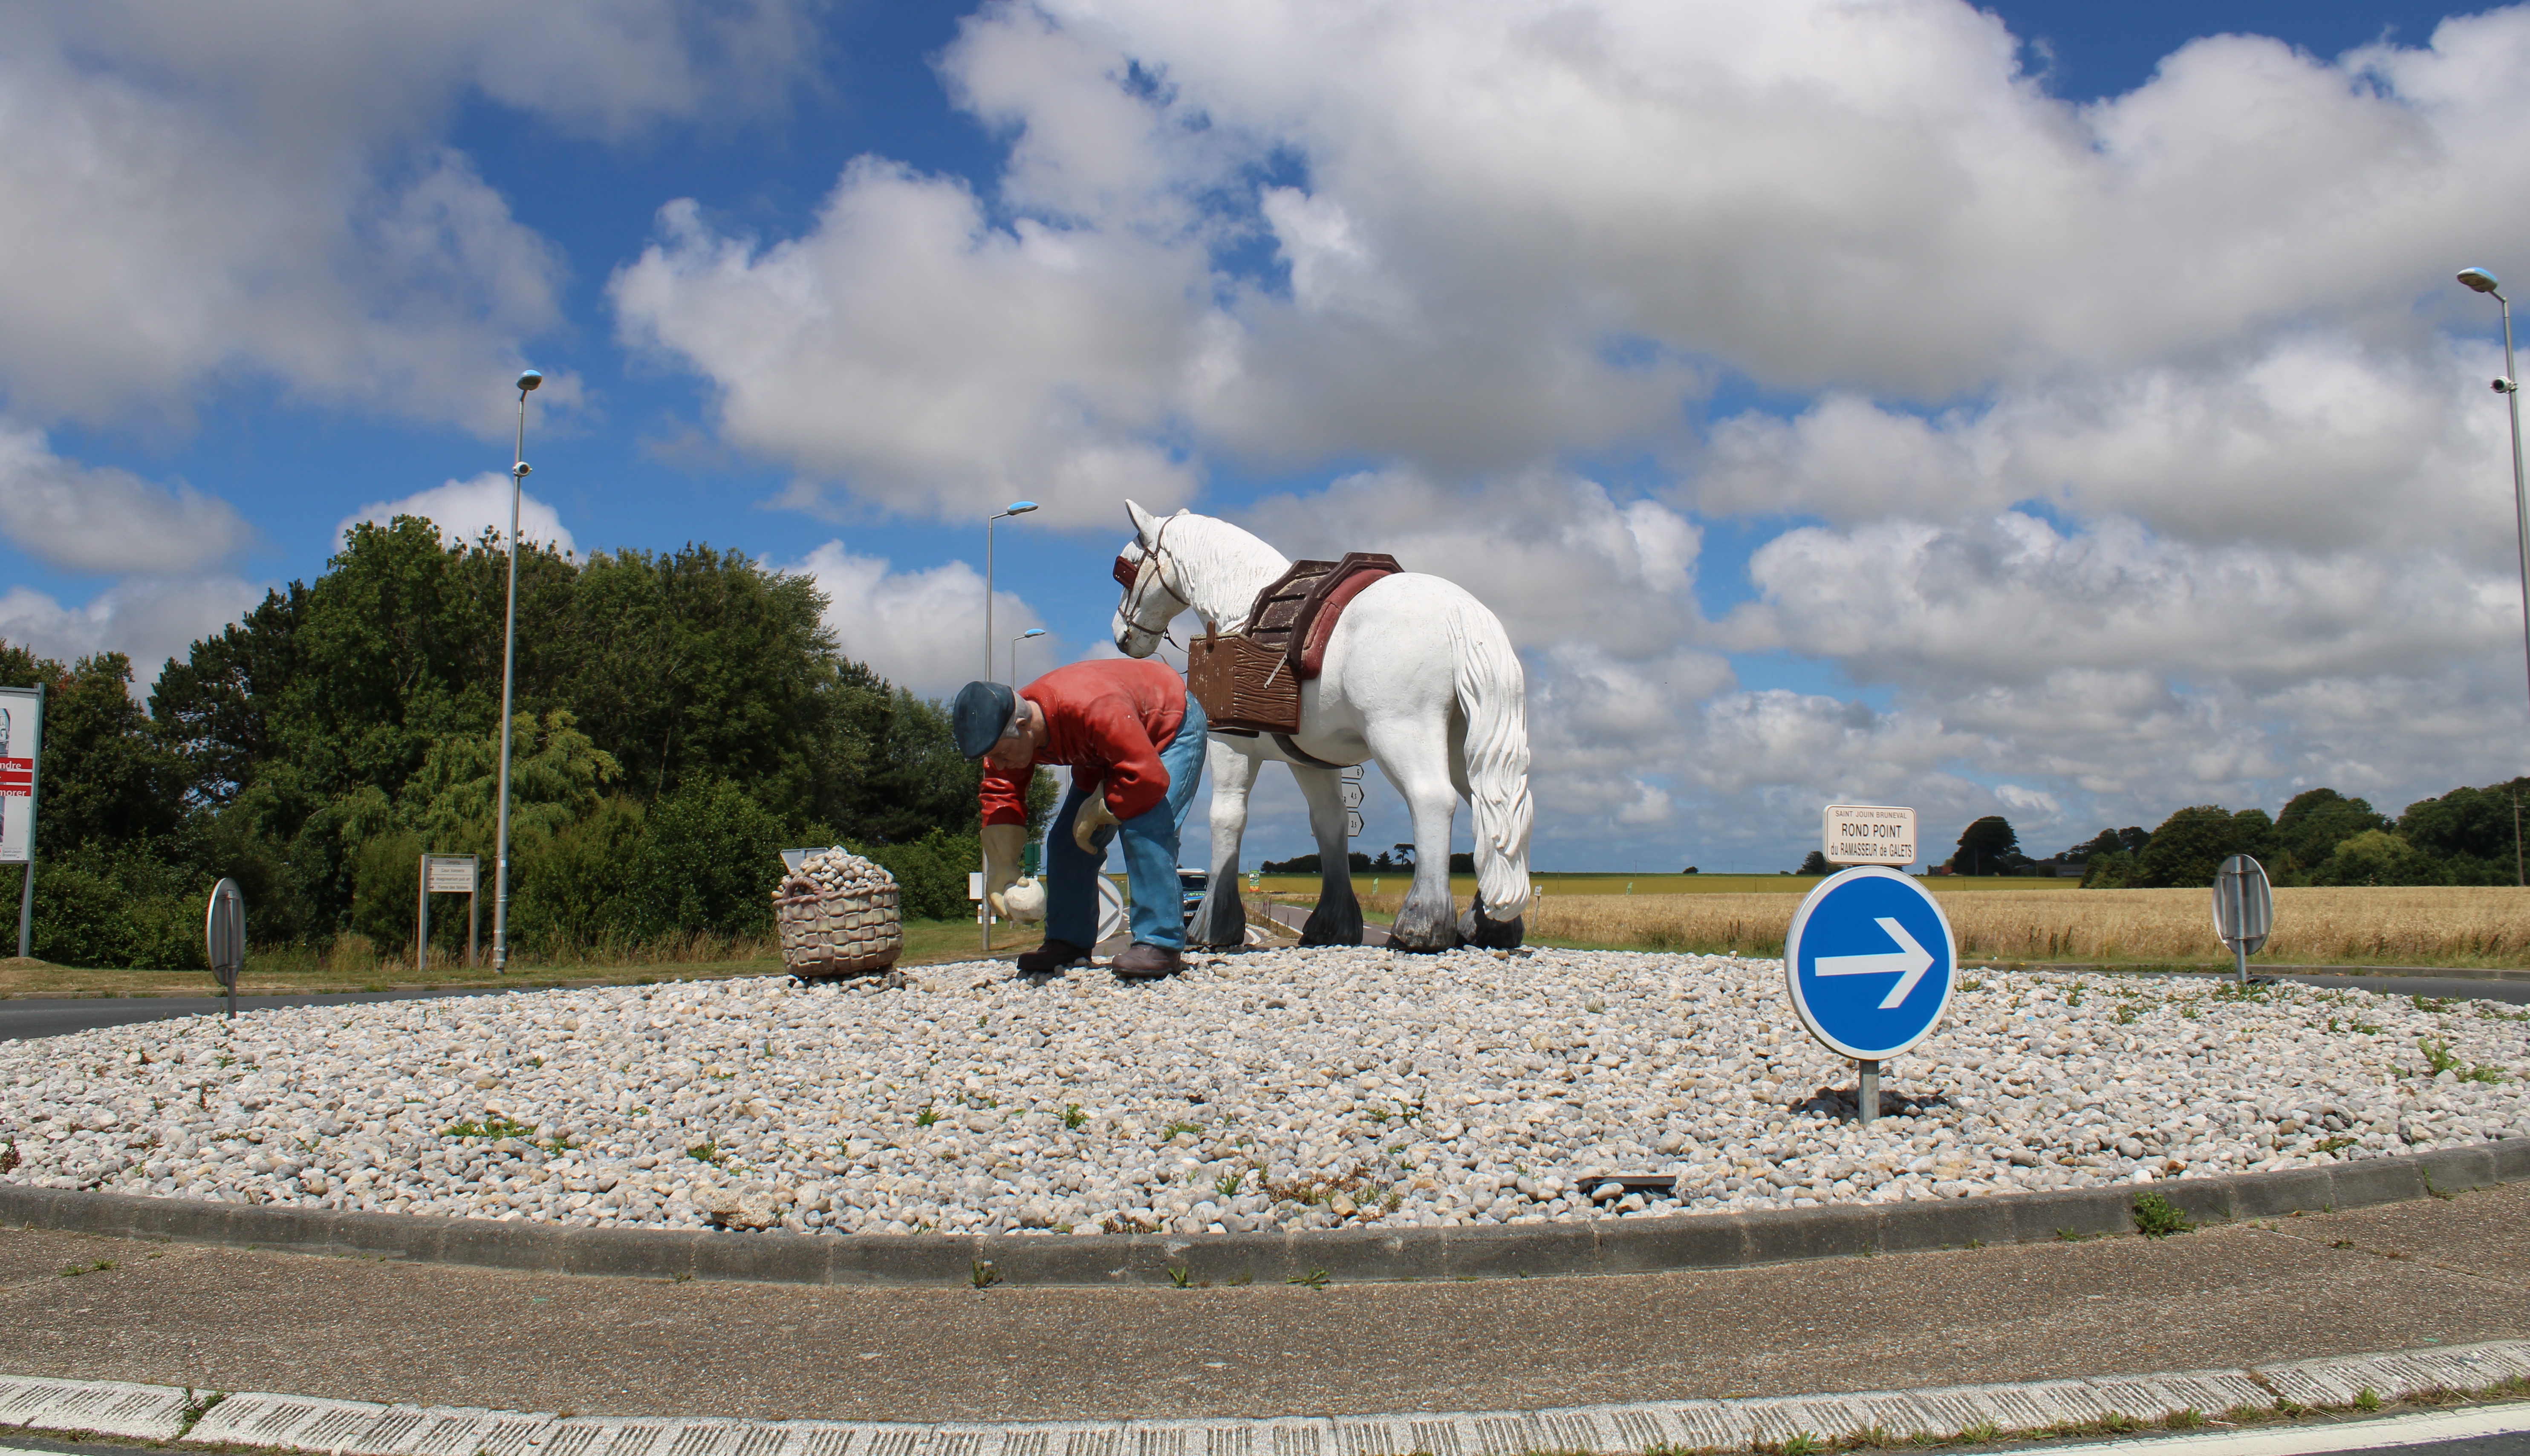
[{"x": 1148, "y": 574}]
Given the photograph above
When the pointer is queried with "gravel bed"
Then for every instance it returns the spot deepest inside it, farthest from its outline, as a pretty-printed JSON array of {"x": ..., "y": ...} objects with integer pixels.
[{"x": 1275, "y": 1089}]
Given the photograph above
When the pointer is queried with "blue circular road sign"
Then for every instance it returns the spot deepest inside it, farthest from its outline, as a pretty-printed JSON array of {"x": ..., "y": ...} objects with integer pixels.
[{"x": 1869, "y": 963}]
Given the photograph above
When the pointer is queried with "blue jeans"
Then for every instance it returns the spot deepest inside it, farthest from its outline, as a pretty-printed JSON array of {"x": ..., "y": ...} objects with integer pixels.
[{"x": 1150, "y": 840}]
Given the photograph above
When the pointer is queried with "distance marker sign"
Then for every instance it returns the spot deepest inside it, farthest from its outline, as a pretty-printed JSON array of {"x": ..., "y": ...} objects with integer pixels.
[{"x": 1869, "y": 963}]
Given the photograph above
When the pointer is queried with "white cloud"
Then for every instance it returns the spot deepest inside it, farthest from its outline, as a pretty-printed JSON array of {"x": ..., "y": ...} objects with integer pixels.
[
  {"x": 926, "y": 360},
  {"x": 191, "y": 194},
  {"x": 463, "y": 510},
  {"x": 149, "y": 620},
  {"x": 93, "y": 519},
  {"x": 922, "y": 629}
]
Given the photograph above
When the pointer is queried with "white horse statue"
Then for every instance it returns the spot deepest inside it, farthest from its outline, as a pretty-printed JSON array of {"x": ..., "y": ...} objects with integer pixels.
[{"x": 1417, "y": 674}]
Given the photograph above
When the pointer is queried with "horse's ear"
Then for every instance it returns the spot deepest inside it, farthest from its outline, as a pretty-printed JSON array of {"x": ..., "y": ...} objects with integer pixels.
[{"x": 1145, "y": 525}]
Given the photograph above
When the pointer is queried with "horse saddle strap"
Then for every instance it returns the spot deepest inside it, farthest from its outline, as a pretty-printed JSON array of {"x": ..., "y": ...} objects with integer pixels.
[{"x": 1325, "y": 606}]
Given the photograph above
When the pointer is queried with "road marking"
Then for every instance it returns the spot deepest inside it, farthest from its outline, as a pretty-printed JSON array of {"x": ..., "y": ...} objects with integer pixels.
[
  {"x": 1908, "y": 963},
  {"x": 2423, "y": 1428}
]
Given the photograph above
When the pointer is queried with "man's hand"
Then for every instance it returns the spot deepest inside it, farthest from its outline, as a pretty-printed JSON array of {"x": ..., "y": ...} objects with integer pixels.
[
  {"x": 1004, "y": 844},
  {"x": 1093, "y": 825}
]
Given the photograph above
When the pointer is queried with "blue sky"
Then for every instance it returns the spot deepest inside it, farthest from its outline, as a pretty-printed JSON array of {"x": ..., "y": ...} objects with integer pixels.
[{"x": 1931, "y": 405}]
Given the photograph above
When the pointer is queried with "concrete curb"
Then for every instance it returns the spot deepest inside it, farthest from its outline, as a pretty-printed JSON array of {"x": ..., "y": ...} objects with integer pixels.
[
  {"x": 1612, "y": 1245},
  {"x": 1979, "y": 1413}
]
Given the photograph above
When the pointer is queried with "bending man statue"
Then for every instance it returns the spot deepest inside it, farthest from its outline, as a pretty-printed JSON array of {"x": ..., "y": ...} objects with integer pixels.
[{"x": 1134, "y": 740}]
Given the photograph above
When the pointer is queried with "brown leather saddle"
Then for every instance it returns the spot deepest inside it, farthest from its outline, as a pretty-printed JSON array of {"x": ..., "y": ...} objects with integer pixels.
[{"x": 1249, "y": 683}]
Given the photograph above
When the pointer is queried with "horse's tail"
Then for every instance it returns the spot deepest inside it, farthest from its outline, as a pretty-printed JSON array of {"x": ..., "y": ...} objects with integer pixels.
[{"x": 1493, "y": 694}]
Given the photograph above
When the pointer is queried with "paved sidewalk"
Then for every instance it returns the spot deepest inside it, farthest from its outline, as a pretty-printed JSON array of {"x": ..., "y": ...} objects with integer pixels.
[{"x": 2399, "y": 1277}]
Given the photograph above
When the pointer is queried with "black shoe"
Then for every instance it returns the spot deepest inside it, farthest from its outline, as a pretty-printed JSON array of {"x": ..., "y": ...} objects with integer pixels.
[
  {"x": 1051, "y": 957},
  {"x": 1145, "y": 962}
]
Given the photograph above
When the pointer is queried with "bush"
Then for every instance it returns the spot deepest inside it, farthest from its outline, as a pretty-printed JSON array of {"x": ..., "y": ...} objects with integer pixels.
[
  {"x": 931, "y": 874},
  {"x": 120, "y": 909},
  {"x": 576, "y": 887},
  {"x": 711, "y": 859},
  {"x": 2377, "y": 857}
]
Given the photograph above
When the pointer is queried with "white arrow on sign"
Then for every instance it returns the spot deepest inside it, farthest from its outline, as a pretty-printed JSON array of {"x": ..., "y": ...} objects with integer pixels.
[{"x": 1908, "y": 963}]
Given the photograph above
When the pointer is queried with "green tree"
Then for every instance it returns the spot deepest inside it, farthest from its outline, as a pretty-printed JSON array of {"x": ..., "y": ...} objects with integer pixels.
[
  {"x": 2377, "y": 857},
  {"x": 1815, "y": 863},
  {"x": 2314, "y": 824},
  {"x": 2471, "y": 832},
  {"x": 2192, "y": 844},
  {"x": 1988, "y": 847}
]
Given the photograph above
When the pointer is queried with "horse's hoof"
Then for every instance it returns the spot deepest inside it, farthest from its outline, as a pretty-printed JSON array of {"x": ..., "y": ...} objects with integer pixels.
[
  {"x": 1219, "y": 923},
  {"x": 1332, "y": 926},
  {"x": 1423, "y": 927},
  {"x": 1478, "y": 930}
]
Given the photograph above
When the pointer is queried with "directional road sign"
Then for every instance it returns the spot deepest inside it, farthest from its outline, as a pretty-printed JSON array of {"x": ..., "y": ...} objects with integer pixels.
[
  {"x": 223, "y": 928},
  {"x": 1869, "y": 963},
  {"x": 2244, "y": 908}
]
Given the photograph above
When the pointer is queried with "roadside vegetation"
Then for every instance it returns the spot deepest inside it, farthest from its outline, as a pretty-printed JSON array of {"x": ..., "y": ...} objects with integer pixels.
[{"x": 680, "y": 718}]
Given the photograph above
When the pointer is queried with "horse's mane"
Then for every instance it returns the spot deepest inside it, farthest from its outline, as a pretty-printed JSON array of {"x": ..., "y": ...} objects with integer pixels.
[{"x": 1230, "y": 564}]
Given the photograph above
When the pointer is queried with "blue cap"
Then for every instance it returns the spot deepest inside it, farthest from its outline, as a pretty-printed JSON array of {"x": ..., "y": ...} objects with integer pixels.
[{"x": 981, "y": 712}]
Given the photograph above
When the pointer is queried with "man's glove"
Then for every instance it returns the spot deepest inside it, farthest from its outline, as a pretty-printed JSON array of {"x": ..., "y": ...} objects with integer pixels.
[
  {"x": 1093, "y": 825},
  {"x": 1004, "y": 844}
]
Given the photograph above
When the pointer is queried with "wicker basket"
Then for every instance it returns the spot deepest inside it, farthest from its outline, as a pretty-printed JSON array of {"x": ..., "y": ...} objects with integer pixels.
[{"x": 836, "y": 934}]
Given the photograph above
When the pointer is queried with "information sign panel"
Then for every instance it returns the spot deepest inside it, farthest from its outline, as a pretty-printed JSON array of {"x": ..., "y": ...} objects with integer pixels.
[
  {"x": 1868, "y": 834},
  {"x": 2244, "y": 908},
  {"x": 22, "y": 727},
  {"x": 1869, "y": 963},
  {"x": 450, "y": 874}
]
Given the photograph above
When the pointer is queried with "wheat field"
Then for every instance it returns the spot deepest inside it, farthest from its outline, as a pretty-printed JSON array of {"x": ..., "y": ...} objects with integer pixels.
[{"x": 2435, "y": 926}]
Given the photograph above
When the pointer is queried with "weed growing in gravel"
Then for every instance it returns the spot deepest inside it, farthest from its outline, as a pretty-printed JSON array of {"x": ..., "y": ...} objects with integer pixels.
[
  {"x": 927, "y": 1116},
  {"x": 1182, "y": 1276},
  {"x": 983, "y": 1273},
  {"x": 1314, "y": 1279},
  {"x": 1175, "y": 1127},
  {"x": 1983, "y": 1431},
  {"x": 2156, "y": 1218},
  {"x": 1227, "y": 1186},
  {"x": 2367, "y": 1399},
  {"x": 706, "y": 1153},
  {"x": 1799, "y": 1443},
  {"x": 1074, "y": 1117},
  {"x": 8, "y": 1154},
  {"x": 490, "y": 1127},
  {"x": 2185, "y": 1418},
  {"x": 88, "y": 1268},
  {"x": 197, "y": 1407}
]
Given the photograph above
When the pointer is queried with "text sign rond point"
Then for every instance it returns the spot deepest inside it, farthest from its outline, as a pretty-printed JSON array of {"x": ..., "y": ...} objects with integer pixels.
[
  {"x": 1868, "y": 834},
  {"x": 1870, "y": 963}
]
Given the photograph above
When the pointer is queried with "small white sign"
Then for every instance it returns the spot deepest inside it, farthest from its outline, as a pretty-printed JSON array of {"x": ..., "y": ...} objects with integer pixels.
[
  {"x": 974, "y": 884},
  {"x": 450, "y": 874},
  {"x": 1869, "y": 834}
]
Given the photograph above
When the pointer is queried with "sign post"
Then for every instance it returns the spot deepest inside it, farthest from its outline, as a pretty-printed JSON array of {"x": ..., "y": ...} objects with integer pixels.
[
  {"x": 21, "y": 729},
  {"x": 444, "y": 874},
  {"x": 2244, "y": 908},
  {"x": 1868, "y": 834},
  {"x": 1869, "y": 963},
  {"x": 224, "y": 926}
]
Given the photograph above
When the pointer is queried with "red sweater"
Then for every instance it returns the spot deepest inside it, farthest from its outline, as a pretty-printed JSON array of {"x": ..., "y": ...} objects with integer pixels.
[{"x": 1108, "y": 719}]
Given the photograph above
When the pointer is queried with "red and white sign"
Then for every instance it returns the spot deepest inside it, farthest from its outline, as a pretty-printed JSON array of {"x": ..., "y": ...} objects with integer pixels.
[{"x": 21, "y": 715}]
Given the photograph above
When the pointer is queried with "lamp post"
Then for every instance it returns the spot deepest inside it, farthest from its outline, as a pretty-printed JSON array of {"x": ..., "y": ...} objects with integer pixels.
[
  {"x": 1015, "y": 653},
  {"x": 528, "y": 383},
  {"x": 984, "y": 907},
  {"x": 2509, "y": 386}
]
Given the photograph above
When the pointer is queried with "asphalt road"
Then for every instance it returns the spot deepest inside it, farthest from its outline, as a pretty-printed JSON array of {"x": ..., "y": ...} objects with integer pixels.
[{"x": 22, "y": 1018}]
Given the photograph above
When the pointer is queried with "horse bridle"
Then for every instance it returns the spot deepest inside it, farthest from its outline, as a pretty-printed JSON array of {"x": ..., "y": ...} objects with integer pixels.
[{"x": 1129, "y": 575}]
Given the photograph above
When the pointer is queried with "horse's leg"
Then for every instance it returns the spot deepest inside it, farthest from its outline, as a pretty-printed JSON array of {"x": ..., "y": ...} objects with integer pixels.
[
  {"x": 1476, "y": 927},
  {"x": 1221, "y": 920},
  {"x": 1338, "y": 919},
  {"x": 1413, "y": 753}
]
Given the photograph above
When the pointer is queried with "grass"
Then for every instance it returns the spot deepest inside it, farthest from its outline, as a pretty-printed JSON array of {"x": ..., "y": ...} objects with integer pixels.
[
  {"x": 351, "y": 965},
  {"x": 2154, "y": 1217},
  {"x": 2048, "y": 921}
]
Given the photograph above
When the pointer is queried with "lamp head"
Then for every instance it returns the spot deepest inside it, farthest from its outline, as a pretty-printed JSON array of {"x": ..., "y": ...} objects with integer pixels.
[
  {"x": 1020, "y": 508},
  {"x": 530, "y": 381},
  {"x": 1031, "y": 632},
  {"x": 2478, "y": 279}
]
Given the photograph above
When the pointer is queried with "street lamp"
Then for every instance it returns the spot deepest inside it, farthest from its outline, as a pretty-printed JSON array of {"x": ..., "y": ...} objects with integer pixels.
[
  {"x": 1018, "y": 508},
  {"x": 984, "y": 908},
  {"x": 1015, "y": 653},
  {"x": 528, "y": 383},
  {"x": 2509, "y": 386}
]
